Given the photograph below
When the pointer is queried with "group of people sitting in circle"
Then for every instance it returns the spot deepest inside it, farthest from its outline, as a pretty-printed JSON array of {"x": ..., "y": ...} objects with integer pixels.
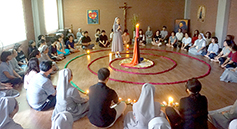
[
  {"x": 69, "y": 106},
  {"x": 103, "y": 107}
]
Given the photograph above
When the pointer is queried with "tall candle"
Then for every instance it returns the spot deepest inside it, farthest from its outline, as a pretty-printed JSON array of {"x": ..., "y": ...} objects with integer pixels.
[
  {"x": 137, "y": 30},
  {"x": 170, "y": 102},
  {"x": 110, "y": 57},
  {"x": 127, "y": 46}
]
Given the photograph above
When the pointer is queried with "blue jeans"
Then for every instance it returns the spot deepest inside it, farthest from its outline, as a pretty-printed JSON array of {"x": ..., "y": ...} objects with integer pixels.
[
  {"x": 233, "y": 65},
  {"x": 14, "y": 81},
  {"x": 212, "y": 55},
  {"x": 222, "y": 60},
  {"x": 50, "y": 102}
]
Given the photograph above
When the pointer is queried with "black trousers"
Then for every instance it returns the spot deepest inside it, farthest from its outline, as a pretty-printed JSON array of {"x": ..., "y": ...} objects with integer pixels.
[
  {"x": 176, "y": 121},
  {"x": 14, "y": 81}
]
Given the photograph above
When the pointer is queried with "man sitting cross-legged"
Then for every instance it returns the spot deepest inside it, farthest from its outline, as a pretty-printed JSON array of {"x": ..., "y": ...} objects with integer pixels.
[
  {"x": 41, "y": 92},
  {"x": 100, "y": 99}
]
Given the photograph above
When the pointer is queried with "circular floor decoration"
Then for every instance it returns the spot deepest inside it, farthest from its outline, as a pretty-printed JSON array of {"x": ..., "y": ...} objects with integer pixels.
[
  {"x": 145, "y": 63},
  {"x": 131, "y": 82}
]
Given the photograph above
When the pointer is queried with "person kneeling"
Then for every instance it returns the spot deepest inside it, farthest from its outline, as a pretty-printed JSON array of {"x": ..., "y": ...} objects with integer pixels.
[
  {"x": 100, "y": 99},
  {"x": 41, "y": 94}
]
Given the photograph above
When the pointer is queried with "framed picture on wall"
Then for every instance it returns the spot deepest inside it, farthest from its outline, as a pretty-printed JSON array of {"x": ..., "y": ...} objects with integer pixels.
[
  {"x": 181, "y": 24},
  {"x": 92, "y": 16}
]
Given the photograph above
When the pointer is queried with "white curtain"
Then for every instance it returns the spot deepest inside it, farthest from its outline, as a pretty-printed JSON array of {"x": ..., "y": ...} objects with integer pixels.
[
  {"x": 12, "y": 22},
  {"x": 51, "y": 15}
]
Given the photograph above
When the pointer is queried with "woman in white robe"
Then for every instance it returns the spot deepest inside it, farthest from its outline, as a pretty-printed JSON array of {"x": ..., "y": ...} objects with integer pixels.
[
  {"x": 144, "y": 109},
  {"x": 68, "y": 97},
  {"x": 222, "y": 117},
  {"x": 63, "y": 120},
  {"x": 8, "y": 108},
  {"x": 199, "y": 45},
  {"x": 159, "y": 123},
  {"x": 229, "y": 75}
]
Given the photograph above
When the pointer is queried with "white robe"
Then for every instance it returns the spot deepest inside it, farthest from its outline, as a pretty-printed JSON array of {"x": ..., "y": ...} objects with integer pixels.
[{"x": 68, "y": 98}]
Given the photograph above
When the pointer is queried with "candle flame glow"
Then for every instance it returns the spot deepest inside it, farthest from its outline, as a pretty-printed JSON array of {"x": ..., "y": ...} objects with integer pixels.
[
  {"x": 88, "y": 51},
  {"x": 171, "y": 99},
  {"x": 137, "y": 25},
  {"x": 87, "y": 91}
]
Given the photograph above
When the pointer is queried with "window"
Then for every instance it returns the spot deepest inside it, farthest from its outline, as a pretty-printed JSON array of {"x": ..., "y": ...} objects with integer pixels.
[
  {"x": 12, "y": 23},
  {"x": 51, "y": 15}
]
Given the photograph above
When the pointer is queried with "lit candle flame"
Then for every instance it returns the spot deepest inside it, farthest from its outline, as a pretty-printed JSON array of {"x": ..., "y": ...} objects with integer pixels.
[
  {"x": 134, "y": 101},
  {"x": 120, "y": 99},
  {"x": 170, "y": 102},
  {"x": 87, "y": 91},
  {"x": 88, "y": 51},
  {"x": 129, "y": 100},
  {"x": 137, "y": 25}
]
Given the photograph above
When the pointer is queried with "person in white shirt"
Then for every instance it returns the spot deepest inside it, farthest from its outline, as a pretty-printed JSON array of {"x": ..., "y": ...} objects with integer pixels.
[{"x": 179, "y": 35}]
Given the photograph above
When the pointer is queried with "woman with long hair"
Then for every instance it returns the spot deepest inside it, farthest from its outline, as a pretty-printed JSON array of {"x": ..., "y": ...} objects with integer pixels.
[{"x": 33, "y": 69}]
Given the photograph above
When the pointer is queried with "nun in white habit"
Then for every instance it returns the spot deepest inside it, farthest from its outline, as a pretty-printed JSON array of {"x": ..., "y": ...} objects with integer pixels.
[
  {"x": 68, "y": 97},
  {"x": 159, "y": 123},
  {"x": 63, "y": 120},
  {"x": 8, "y": 108},
  {"x": 144, "y": 109},
  {"x": 233, "y": 124},
  {"x": 199, "y": 45},
  {"x": 222, "y": 117}
]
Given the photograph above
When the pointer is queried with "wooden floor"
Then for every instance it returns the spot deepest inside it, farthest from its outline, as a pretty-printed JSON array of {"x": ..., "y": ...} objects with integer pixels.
[{"x": 219, "y": 94}]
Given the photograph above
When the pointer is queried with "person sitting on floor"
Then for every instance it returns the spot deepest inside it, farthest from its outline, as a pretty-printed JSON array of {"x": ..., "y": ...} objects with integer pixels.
[
  {"x": 149, "y": 35},
  {"x": 33, "y": 69},
  {"x": 126, "y": 37},
  {"x": 221, "y": 118},
  {"x": 164, "y": 34},
  {"x": 222, "y": 56},
  {"x": 70, "y": 44},
  {"x": 42, "y": 43},
  {"x": 198, "y": 46},
  {"x": 186, "y": 42},
  {"x": 100, "y": 99},
  {"x": 86, "y": 41},
  {"x": 144, "y": 110},
  {"x": 208, "y": 38},
  {"x": 111, "y": 35},
  {"x": 195, "y": 36},
  {"x": 172, "y": 40},
  {"x": 60, "y": 46},
  {"x": 14, "y": 63},
  {"x": 229, "y": 75},
  {"x": 41, "y": 94},
  {"x": 79, "y": 35},
  {"x": 179, "y": 35},
  {"x": 32, "y": 46},
  {"x": 103, "y": 40},
  {"x": 53, "y": 51},
  {"x": 44, "y": 57},
  {"x": 141, "y": 38},
  {"x": 231, "y": 61},
  {"x": 192, "y": 109},
  {"x": 8, "y": 108},
  {"x": 213, "y": 48},
  {"x": 6, "y": 90},
  {"x": 157, "y": 39},
  {"x": 68, "y": 97},
  {"x": 159, "y": 123},
  {"x": 21, "y": 58},
  {"x": 35, "y": 53},
  {"x": 7, "y": 74},
  {"x": 63, "y": 120},
  {"x": 39, "y": 38},
  {"x": 97, "y": 35}
]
